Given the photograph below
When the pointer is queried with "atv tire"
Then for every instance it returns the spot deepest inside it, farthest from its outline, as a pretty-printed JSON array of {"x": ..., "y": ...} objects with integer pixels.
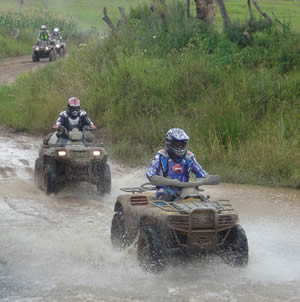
[
  {"x": 104, "y": 179},
  {"x": 61, "y": 52},
  {"x": 35, "y": 57},
  {"x": 118, "y": 234},
  {"x": 52, "y": 56},
  {"x": 150, "y": 249},
  {"x": 235, "y": 249},
  {"x": 50, "y": 177},
  {"x": 38, "y": 173}
]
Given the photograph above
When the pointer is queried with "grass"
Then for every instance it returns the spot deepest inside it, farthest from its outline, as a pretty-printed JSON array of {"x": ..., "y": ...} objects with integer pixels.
[
  {"x": 236, "y": 97},
  {"x": 88, "y": 13},
  {"x": 285, "y": 10},
  {"x": 10, "y": 47}
]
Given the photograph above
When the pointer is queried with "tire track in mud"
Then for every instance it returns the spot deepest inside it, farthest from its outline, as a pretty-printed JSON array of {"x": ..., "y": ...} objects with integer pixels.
[{"x": 10, "y": 68}]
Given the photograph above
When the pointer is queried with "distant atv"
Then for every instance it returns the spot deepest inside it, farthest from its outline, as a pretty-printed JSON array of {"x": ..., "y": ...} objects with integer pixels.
[
  {"x": 60, "y": 46},
  {"x": 193, "y": 224},
  {"x": 74, "y": 159},
  {"x": 43, "y": 49}
]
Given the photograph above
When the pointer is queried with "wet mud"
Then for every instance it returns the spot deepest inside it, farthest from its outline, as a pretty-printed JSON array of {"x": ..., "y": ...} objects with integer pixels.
[{"x": 57, "y": 247}]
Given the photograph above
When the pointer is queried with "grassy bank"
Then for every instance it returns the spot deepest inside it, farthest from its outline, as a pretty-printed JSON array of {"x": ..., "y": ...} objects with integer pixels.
[{"x": 236, "y": 95}]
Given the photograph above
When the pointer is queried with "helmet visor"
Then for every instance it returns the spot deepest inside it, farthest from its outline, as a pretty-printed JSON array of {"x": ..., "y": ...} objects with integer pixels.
[
  {"x": 176, "y": 148},
  {"x": 74, "y": 111},
  {"x": 179, "y": 144}
]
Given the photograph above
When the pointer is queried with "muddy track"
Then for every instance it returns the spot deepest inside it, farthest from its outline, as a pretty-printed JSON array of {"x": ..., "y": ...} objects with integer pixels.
[
  {"x": 57, "y": 247},
  {"x": 10, "y": 68}
]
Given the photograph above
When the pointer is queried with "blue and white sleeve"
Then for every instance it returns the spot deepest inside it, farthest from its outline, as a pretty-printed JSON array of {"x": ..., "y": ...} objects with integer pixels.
[
  {"x": 197, "y": 169},
  {"x": 154, "y": 168}
]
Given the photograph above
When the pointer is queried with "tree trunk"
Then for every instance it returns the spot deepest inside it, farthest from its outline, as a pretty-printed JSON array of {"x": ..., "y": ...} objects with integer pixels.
[
  {"x": 188, "y": 8},
  {"x": 206, "y": 10},
  {"x": 226, "y": 19},
  {"x": 21, "y": 2},
  {"x": 250, "y": 10},
  {"x": 123, "y": 16},
  {"x": 45, "y": 4},
  {"x": 108, "y": 20},
  {"x": 265, "y": 15}
]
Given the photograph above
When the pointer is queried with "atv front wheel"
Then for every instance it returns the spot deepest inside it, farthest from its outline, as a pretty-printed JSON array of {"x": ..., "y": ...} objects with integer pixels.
[
  {"x": 35, "y": 57},
  {"x": 104, "y": 180},
  {"x": 51, "y": 56},
  {"x": 50, "y": 177},
  {"x": 150, "y": 249},
  {"x": 37, "y": 173},
  {"x": 118, "y": 234},
  {"x": 61, "y": 52},
  {"x": 235, "y": 249}
]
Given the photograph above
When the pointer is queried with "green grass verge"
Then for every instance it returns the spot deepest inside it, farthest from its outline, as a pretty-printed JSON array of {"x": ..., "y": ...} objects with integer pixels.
[{"x": 11, "y": 47}]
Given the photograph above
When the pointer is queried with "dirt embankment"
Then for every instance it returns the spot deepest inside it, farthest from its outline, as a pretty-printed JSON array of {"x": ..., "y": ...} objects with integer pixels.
[{"x": 10, "y": 68}]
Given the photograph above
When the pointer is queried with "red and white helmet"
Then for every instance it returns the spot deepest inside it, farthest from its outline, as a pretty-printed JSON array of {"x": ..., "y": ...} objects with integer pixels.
[{"x": 74, "y": 106}]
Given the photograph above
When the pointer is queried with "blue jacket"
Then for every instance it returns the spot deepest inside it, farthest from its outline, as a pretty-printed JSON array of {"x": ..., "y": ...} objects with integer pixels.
[{"x": 163, "y": 165}]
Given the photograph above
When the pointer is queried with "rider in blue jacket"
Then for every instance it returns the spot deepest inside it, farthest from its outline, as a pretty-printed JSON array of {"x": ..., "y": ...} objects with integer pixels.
[{"x": 174, "y": 162}]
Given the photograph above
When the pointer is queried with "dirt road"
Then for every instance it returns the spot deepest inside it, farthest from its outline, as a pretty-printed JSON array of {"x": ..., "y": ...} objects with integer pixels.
[{"x": 10, "y": 68}]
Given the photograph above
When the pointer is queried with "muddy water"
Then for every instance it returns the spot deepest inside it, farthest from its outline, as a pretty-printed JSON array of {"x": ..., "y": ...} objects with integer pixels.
[{"x": 57, "y": 248}]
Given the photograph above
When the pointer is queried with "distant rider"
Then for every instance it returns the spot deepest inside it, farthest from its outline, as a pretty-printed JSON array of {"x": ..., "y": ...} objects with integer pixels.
[
  {"x": 74, "y": 117},
  {"x": 44, "y": 34},
  {"x": 56, "y": 34},
  {"x": 67, "y": 120},
  {"x": 174, "y": 162}
]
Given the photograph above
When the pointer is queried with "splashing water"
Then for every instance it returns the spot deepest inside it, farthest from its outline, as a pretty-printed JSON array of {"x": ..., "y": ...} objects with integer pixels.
[{"x": 57, "y": 248}]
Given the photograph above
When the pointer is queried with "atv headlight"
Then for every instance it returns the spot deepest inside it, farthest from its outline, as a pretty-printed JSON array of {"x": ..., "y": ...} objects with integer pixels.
[
  {"x": 36, "y": 48},
  {"x": 57, "y": 45},
  {"x": 47, "y": 48},
  {"x": 97, "y": 153},
  {"x": 62, "y": 153}
]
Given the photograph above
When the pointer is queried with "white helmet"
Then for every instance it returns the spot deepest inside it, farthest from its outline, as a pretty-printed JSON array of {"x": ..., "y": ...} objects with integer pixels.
[{"x": 43, "y": 27}]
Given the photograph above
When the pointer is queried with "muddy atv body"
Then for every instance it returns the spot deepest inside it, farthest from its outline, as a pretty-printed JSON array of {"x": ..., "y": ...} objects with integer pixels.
[
  {"x": 192, "y": 225},
  {"x": 43, "y": 49},
  {"x": 75, "y": 160}
]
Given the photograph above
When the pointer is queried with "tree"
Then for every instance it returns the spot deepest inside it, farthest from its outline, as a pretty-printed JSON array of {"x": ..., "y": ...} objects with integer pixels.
[
  {"x": 21, "y": 2},
  {"x": 206, "y": 10},
  {"x": 224, "y": 14},
  {"x": 45, "y": 4}
]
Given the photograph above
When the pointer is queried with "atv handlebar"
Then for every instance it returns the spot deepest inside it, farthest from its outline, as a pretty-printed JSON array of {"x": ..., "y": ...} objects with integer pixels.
[
  {"x": 61, "y": 130},
  {"x": 161, "y": 181}
]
